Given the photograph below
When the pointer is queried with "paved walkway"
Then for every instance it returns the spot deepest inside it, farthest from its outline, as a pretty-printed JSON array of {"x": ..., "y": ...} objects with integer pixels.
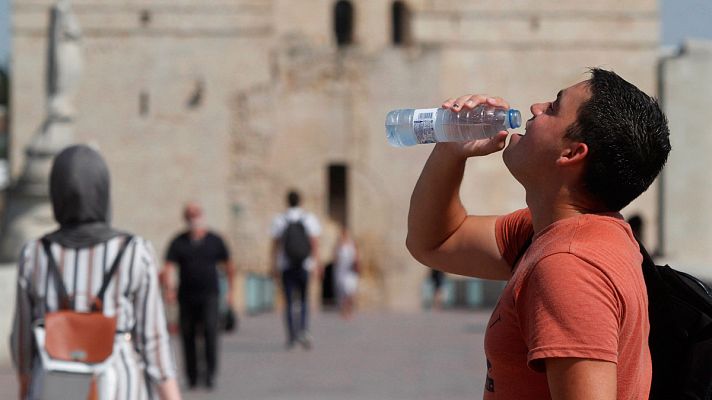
[{"x": 427, "y": 355}]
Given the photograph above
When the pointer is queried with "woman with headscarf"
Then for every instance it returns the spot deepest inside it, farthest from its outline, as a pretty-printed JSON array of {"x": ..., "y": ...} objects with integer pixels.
[{"x": 83, "y": 248}]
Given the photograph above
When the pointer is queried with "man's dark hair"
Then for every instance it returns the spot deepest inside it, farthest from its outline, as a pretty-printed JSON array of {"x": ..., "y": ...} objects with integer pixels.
[
  {"x": 293, "y": 198},
  {"x": 627, "y": 137}
]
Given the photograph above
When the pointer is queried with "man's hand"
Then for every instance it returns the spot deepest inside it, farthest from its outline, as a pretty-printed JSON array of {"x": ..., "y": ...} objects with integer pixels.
[
  {"x": 170, "y": 295},
  {"x": 480, "y": 147},
  {"x": 24, "y": 385},
  {"x": 230, "y": 272}
]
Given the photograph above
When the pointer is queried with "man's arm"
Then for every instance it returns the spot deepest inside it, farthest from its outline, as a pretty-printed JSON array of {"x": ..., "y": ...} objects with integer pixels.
[
  {"x": 440, "y": 233},
  {"x": 166, "y": 278},
  {"x": 572, "y": 326},
  {"x": 274, "y": 251},
  {"x": 24, "y": 387},
  {"x": 229, "y": 268},
  {"x": 581, "y": 379},
  {"x": 315, "y": 255}
]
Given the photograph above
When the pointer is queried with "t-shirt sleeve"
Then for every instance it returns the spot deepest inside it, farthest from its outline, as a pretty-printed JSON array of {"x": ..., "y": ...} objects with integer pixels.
[
  {"x": 277, "y": 227},
  {"x": 568, "y": 308},
  {"x": 172, "y": 253},
  {"x": 312, "y": 225},
  {"x": 223, "y": 252},
  {"x": 512, "y": 232}
]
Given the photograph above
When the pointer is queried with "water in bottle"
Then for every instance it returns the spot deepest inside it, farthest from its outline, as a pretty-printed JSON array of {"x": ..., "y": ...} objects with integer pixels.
[{"x": 409, "y": 127}]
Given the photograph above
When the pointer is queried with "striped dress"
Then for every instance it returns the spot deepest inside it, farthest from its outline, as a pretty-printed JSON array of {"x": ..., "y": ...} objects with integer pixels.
[{"x": 133, "y": 296}]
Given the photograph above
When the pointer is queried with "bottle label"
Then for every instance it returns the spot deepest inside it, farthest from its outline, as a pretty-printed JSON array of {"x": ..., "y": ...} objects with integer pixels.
[{"x": 424, "y": 125}]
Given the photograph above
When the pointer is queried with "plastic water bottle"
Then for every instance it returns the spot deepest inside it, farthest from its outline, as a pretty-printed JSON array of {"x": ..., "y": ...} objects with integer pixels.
[{"x": 409, "y": 127}]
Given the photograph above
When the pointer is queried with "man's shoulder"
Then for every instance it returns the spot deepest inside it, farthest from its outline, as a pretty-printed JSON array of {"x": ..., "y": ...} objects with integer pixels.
[
  {"x": 308, "y": 216},
  {"x": 215, "y": 236},
  {"x": 603, "y": 233},
  {"x": 587, "y": 236},
  {"x": 295, "y": 214},
  {"x": 602, "y": 242},
  {"x": 280, "y": 217},
  {"x": 179, "y": 238},
  {"x": 312, "y": 224}
]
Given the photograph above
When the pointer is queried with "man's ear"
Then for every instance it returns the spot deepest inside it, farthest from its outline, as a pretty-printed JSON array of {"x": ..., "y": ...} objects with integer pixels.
[{"x": 572, "y": 153}]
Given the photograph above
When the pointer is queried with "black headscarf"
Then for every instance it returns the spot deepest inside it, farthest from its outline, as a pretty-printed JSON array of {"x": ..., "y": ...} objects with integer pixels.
[{"x": 79, "y": 189}]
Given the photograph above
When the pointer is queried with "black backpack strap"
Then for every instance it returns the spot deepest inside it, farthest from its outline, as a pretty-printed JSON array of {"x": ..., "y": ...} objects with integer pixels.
[
  {"x": 62, "y": 296},
  {"x": 110, "y": 273},
  {"x": 647, "y": 260}
]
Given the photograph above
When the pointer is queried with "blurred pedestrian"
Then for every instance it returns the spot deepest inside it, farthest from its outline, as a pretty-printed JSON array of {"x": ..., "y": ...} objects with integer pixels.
[
  {"x": 346, "y": 272},
  {"x": 80, "y": 252},
  {"x": 197, "y": 253},
  {"x": 294, "y": 255},
  {"x": 436, "y": 278},
  {"x": 636, "y": 226}
]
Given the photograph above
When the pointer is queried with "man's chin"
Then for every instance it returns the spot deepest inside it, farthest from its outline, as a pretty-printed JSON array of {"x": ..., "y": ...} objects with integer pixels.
[
  {"x": 511, "y": 167},
  {"x": 513, "y": 140},
  {"x": 506, "y": 156},
  {"x": 509, "y": 155}
]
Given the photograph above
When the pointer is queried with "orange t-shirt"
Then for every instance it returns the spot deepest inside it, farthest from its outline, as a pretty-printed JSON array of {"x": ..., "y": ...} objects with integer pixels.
[{"x": 578, "y": 291}]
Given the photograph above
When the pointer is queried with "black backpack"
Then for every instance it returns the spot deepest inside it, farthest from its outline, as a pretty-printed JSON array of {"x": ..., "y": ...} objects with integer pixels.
[
  {"x": 297, "y": 245},
  {"x": 680, "y": 340},
  {"x": 680, "y": 313}
]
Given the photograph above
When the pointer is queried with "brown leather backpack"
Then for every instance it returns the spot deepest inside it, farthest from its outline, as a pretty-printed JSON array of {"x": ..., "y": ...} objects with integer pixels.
[{"x": 78, "y": 339}]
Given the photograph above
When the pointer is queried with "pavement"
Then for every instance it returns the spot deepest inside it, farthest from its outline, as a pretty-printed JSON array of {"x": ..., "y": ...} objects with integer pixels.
[{"x": 375, "y": 356}]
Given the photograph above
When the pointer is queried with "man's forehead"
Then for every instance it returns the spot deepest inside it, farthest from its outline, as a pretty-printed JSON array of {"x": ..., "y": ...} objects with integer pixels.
[{"x": 579, "y": 92}]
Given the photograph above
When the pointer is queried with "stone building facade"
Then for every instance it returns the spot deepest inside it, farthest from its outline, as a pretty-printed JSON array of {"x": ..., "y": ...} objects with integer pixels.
[
  {"x": 687, "y": 227},
  {"x": 232, "y": 102}
]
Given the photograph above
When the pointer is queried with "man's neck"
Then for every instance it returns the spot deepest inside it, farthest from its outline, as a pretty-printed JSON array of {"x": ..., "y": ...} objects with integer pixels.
[
  {"x": 548, "y": 209},
  {"x": 197, "y": 234}
]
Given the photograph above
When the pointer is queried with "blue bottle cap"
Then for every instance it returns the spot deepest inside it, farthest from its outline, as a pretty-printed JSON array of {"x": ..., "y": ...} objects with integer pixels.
[{"x": 515, "y": 118}]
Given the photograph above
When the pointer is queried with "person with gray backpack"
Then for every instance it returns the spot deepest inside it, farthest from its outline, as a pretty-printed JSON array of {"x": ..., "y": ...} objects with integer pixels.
[
  {"x": 294, "y": 255},
  {"x": 89, "y": 321}
]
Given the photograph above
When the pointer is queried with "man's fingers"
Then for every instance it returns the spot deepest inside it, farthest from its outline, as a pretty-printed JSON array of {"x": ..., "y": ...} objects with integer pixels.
[
  {"x": 488, "y": 146},
  {"x": 467, "y": 101},
  {"x": 471, "y": 101},
  {"x": 500, "y": 139},
  {"x": 448, "y": 103},
  {"x": 497, "y": 102}
]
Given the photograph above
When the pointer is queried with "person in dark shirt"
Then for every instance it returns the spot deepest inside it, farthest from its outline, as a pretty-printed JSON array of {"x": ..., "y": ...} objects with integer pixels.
[
  {"x": 197, "y": 254},
  {"x": 437, "y": 277}
]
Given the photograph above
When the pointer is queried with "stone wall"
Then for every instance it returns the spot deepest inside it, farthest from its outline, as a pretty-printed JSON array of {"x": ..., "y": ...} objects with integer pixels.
[
  {"x": 233, "y": 102},
  {"x": 186, "y": 66},
  {"x": 687, "y": 229}
]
